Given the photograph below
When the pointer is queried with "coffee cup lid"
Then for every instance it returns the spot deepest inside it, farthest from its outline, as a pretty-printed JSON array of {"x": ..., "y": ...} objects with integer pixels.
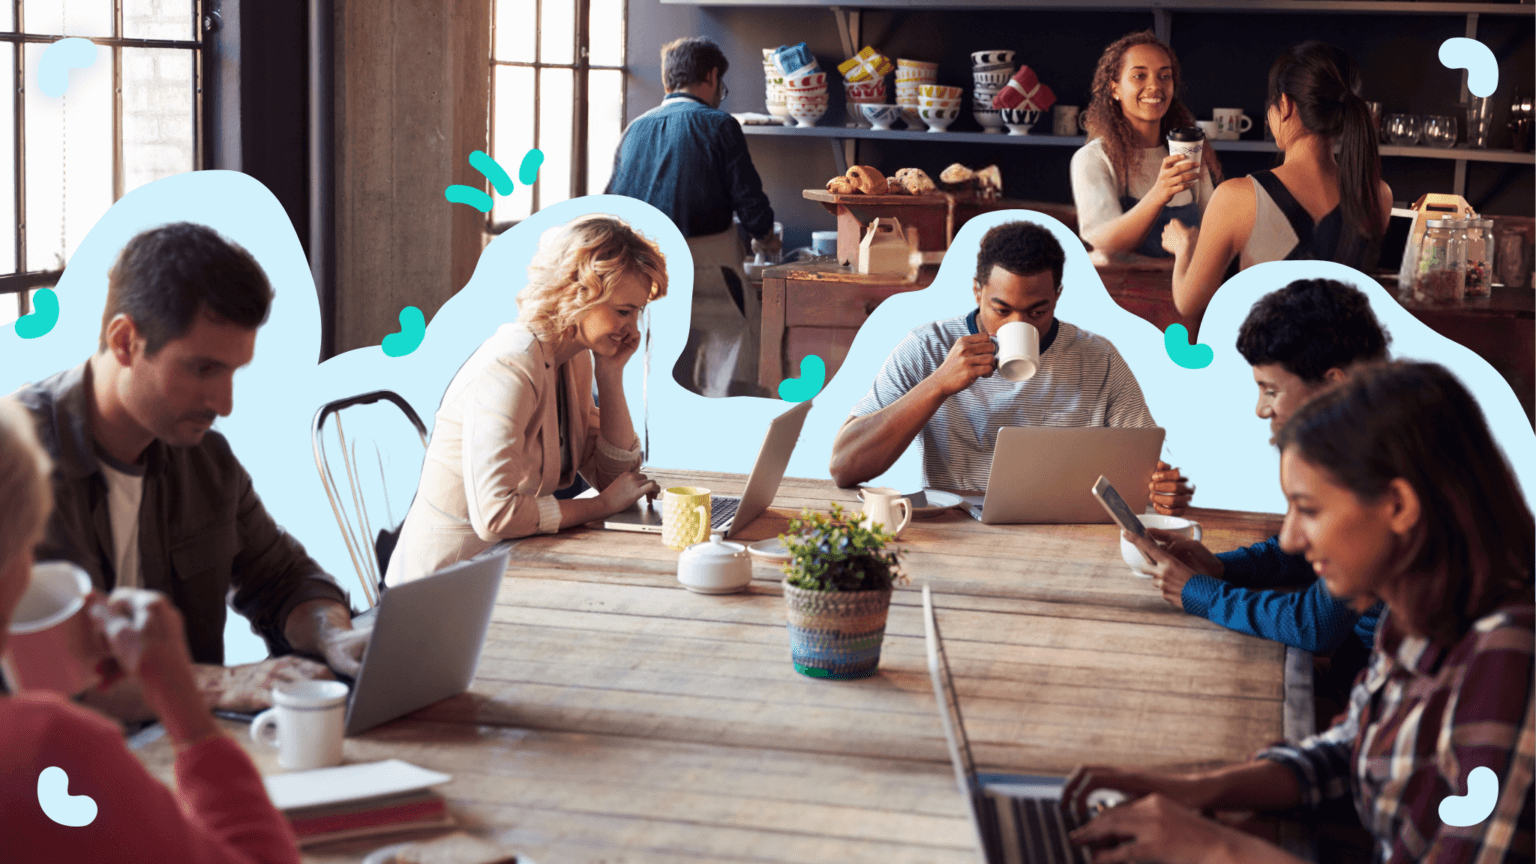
[{"x": 1186, "y": 134}]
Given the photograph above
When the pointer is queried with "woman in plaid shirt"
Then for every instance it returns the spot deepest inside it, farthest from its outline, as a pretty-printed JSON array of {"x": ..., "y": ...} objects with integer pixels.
[{"x": 1397, "y": 493}]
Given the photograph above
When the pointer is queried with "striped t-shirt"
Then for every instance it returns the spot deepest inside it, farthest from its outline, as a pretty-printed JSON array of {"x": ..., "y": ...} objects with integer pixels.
[{"x": 1082, "y": 381}]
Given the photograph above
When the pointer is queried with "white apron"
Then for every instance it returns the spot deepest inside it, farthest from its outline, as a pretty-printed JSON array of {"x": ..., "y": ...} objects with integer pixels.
[{"x": 722, "y": 340}]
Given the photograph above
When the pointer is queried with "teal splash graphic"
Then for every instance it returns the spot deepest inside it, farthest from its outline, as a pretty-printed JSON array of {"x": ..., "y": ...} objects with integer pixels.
[
  {"x": 60, "y": 57},
  {"x": 413, "y": 329},
  {"x": 1459, "y": 811},
  {"x": 1176, "y": 343},
  {"x": 40, "y": 322},
  {"x": 1475, "y": 57},
  {"x": 527, "y": 172},
  {"x": 71, "y": 811},
  {"x": 813, "y": 375}
]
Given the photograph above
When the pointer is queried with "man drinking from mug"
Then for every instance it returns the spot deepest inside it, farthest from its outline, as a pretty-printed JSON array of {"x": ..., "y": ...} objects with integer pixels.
[
  {"x": 938, "y": 385},
  {"x": 146, "y": 496}
]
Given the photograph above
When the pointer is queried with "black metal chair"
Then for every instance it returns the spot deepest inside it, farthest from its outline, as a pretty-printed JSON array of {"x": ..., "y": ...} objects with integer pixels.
[{"x": 370, "y": 550}]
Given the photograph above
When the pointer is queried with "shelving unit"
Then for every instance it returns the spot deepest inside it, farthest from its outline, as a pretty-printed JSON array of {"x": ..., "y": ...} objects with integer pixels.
[{"x": 848, "y": 13}]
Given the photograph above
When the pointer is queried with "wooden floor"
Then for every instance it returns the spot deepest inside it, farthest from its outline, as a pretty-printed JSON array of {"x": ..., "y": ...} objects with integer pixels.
[{"x": 617, "y": 717}]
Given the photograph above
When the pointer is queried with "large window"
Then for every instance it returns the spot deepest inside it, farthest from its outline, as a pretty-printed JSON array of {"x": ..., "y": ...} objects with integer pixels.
[
  {"x": 129, "y": 118},
  {"x": 548, "y": 59}
]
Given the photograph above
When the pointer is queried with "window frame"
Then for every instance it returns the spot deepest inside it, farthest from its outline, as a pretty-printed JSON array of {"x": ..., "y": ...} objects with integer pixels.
[
  {"x": 23, "y": 282},
  {"x": 581, "y": 66}
]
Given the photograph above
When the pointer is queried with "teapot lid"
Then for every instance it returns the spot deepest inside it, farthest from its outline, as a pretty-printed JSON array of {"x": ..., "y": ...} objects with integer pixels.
[{"x": 716, "y": 548}]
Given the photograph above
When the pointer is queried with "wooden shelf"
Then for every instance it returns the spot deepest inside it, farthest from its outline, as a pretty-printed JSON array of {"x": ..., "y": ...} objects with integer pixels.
[
  {"x": 1033, "y": 140},
  {"x": 1365, "y": 7}
]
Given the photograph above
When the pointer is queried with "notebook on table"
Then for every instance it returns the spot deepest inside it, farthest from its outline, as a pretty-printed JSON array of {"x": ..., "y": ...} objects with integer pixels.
[
  {"x": 1018, "y": 818},
  {"x": 361, "y": 800},
  {"x": 727, "y": 513}
]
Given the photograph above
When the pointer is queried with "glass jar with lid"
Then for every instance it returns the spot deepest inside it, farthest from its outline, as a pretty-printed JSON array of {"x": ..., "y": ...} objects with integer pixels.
[
  {"x": 1479, "y": 257},
  {"x": 1442, "y": 262}
]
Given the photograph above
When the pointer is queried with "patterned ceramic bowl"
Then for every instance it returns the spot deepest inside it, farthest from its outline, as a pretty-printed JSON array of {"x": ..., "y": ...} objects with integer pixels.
[
  {"x": 937, "y": 91},
  {"x": 938, "y": 119},
  {"x": 880, "y": 117},
  {"x": 1018, "y": 120},
  {"x": 991, "y": 58},
  {"x": 806, "y": 111}
]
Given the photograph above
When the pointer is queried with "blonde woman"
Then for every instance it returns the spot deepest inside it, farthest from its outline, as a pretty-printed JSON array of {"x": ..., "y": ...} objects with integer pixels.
[
  {"x": 219, "y": 811},
  {"x": 518, "y": 420}
]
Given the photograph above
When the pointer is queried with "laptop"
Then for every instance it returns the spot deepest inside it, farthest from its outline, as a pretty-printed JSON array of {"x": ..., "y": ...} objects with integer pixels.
[
  {"x": 1041, "y": 475},
  {"x": 1018, "y": 818},
  {"x": 427, "y": 637},
  {"x": 728, "y": 513}
]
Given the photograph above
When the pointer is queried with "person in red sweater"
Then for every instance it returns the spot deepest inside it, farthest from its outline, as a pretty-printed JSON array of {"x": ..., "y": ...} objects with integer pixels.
[{"x": 219, "y": 811}]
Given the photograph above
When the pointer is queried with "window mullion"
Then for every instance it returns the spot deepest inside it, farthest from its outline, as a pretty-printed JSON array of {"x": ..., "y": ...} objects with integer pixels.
[
  {"x": 580, "y": 107},
  {"x": 18, "y": 89},
  {"x": 117, "y": 103}
]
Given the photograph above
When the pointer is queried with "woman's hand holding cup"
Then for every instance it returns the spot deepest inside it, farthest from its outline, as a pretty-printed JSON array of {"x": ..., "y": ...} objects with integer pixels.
[{"x": 1178, "y": 174}]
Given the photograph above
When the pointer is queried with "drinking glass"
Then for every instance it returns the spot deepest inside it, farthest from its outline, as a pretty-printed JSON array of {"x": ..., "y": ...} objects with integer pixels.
[
  {"x": 1403, "y": 129},
  {"x": 1440, "y": 130},
  {"x": 1479, "y": 113}
]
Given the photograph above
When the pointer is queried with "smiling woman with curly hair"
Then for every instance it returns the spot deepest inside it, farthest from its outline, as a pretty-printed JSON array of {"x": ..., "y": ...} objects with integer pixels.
[
  {"x": 519, "y": 422},
  {"x": 1124, "y": 182}
]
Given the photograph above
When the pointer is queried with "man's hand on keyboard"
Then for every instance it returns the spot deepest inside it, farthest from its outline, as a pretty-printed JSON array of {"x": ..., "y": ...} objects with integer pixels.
[{"x": 1157, "y": 828}]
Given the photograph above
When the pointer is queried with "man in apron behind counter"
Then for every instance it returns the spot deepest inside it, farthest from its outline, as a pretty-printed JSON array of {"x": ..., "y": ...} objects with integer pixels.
[{"x": 689, "y": 160}]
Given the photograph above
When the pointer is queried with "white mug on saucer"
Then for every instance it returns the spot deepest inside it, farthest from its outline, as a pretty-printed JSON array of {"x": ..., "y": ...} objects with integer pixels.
[
  {"x": 1186, "y": 528},
  {"x": 881, "y": 504},
  {"x": 1018, "y": 351},
  {"x": 1211, "y": 128},
  {"x": 305, "y": 724},
  {"x": 1231, "y": 122},
  {"x": 53, "y": 645}
]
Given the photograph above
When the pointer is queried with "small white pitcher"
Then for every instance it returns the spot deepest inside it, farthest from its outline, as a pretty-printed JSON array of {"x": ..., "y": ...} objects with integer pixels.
[{"x": 880, "y": 504}]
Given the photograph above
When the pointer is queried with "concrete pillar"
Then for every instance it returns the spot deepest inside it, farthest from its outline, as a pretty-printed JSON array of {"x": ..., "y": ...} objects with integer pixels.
[{"x": 412, "y": 91}]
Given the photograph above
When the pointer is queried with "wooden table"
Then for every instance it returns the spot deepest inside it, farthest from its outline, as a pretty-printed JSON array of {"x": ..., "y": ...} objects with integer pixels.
[{"x": 617, "y": 717}]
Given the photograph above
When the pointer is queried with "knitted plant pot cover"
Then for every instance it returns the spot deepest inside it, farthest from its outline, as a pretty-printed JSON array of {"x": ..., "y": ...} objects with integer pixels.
[{"x": 836, "y": 634}]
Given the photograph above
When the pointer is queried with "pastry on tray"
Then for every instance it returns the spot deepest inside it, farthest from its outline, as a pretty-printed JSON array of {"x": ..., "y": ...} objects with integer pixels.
[
  {"x": 912, "y": 181},
  {"x": 860, "y": 180}
]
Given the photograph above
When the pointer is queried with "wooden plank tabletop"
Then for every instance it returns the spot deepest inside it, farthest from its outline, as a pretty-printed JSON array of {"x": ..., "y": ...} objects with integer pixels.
[{"x": 616, "y": 716}]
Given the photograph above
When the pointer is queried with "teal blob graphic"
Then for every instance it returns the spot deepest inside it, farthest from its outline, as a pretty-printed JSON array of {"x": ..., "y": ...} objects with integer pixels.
[
  {"x": 41, "y": 322},
  {"x": 813, "y": 375},
  {"x": 1176, "y": 343},
  {"x": 492, "y": 171},
  {"x": 500, "y": 180},
  {"x": 1475, "y": 57},
  {"x": 413, "y": 329},
  {"x": 60, "y": 57},
  {"x": 529, "y": 170},
  {"x": 461, "y": 194}
]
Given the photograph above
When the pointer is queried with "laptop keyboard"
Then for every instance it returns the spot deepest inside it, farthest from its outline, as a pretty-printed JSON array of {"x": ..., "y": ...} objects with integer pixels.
[
  {"x": 1034, "y": 831},
  {"x": 721, "y": 510}
]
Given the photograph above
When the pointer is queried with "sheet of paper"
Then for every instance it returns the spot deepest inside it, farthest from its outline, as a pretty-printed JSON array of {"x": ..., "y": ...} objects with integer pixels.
[{"x": 323, "y": 786}]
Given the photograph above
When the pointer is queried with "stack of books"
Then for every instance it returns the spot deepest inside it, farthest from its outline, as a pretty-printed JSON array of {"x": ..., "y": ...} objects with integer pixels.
[{"x": 361, "y": 800}]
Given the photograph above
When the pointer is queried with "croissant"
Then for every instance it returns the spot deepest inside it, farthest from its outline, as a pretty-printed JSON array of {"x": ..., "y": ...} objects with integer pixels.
[
  {"x": 869, "y": 180},
  {"x": 916, "y": 181},
  {"x": 841, "y": 186},
  {"x": 956, "y": 173}
]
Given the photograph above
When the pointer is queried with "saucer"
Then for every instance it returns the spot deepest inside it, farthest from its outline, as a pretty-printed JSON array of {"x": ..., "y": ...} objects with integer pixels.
[
  {"x": 770, "y": 551},
  {"x": 932, "y": 502}
]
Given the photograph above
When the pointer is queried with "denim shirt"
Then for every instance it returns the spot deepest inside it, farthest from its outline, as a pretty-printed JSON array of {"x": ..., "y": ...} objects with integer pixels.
[
  {"x": 690, "y": 161},
  {"x": 203, "y": 533}
]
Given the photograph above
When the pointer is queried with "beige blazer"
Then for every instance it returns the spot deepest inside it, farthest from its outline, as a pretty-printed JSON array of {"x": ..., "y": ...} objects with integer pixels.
[{"x": 493, "y": 463}]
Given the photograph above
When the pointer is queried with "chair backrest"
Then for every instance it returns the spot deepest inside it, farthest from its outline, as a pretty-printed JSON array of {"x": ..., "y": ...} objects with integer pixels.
[{"x": 388, "y": 439}]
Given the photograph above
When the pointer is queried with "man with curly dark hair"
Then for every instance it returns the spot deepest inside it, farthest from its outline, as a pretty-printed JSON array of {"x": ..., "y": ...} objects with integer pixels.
[
  {"x": 1302, "y": 340},
  {"x": 938, "y": 387}
]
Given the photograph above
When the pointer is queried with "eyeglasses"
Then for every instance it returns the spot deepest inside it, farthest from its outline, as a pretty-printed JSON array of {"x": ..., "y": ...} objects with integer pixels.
[{"x": 725, "y": 90}]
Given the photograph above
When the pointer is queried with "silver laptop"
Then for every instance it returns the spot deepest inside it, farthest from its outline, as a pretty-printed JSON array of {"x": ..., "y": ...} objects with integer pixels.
[
  {"x": 1018, "y": 818},
  {"x": 1043, "y": 474},
  {"x": 427, "y": 636},
  {"x": 728, "y": 513}
]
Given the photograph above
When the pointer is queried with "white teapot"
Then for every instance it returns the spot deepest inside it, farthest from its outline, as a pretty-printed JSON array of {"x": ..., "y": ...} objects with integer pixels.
[{"x": 715, "y": 567}]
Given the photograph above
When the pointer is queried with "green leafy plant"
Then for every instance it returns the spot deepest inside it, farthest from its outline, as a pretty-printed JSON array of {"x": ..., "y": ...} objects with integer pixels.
[{"x": 836, "y": 553}]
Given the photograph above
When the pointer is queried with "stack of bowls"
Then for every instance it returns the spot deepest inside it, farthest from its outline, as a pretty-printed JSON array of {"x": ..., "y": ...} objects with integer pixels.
[
  {"x": 806, "y": 95},
  {"x": 880, "y": 117},
  {"x": 938, "y": 106},
  {"x": 1018, "y": 120},
  {"x": 910, "y": 75},
  {"x": 991, "y": 71},
  {"x": 778, "y": 105},
  {"x": 860, "y": 93}
]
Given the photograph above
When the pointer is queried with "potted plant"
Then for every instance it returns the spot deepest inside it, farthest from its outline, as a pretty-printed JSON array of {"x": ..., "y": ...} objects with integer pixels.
[{"x": 837, "y": 591}]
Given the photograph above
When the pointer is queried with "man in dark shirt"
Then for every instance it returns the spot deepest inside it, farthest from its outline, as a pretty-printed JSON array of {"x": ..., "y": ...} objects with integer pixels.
[
  {"x": 689, "y": 160},
  {"x": 147, "y": 496}
]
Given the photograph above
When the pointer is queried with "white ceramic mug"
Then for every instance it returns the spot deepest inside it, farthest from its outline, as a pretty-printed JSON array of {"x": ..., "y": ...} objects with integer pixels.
[
  {"x": 1018, "y": 351},
  {"x": 1231, "y": 122},
  {"x": 1186, "y": 528},
  {"x": 1211, "y": 128},
  {"x": 305, "y": 724},
  {"x": 1067, "y": 121},
  {"x": 881, "y": 504},
  {"x": 53, "y": 645}
]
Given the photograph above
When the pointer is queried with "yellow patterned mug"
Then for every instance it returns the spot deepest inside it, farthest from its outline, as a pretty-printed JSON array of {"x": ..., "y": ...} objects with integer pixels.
[{"x": 684, "y": 516}]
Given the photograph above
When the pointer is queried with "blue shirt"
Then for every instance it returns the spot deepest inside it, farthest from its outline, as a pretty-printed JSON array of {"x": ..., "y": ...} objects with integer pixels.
[
  {"x": 690, "y": 161},
  {"x": 1312, "y": 619}
]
